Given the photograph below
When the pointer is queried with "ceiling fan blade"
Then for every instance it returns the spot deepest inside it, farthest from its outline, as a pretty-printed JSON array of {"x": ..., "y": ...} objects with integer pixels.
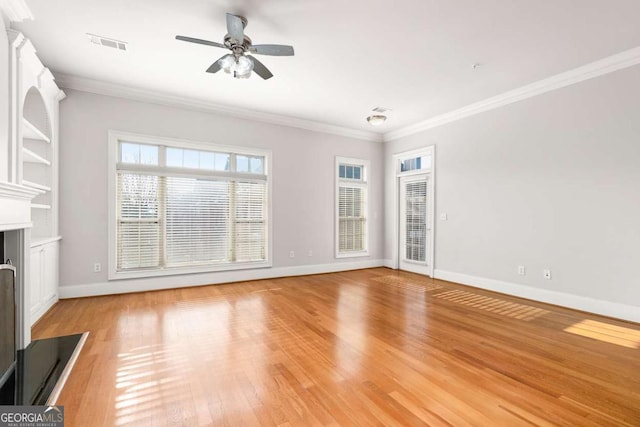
[
  {"x": 260, "y": 69},
  {"x": 235, "y": 28},
  {"x": 215, "y": 67},
  {"x": 272, "y": 49},
  {"x": 200, "y": 41}
]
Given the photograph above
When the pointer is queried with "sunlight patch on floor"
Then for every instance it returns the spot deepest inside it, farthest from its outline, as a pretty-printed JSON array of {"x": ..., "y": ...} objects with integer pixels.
[
  {"x": 150, "y": 385},
  {"x": 493, "y": 305},
  {"x": 409, "y": 284},
  {"x": 606, "y": 332}
]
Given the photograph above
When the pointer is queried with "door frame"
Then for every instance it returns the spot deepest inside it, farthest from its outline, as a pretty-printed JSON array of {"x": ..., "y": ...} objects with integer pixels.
[{"x": 397, "y": 159}]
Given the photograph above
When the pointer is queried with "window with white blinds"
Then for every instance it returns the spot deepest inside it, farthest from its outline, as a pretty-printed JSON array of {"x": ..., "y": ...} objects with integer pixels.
[
  {"x": 178, "y": 208},
  {"x": 351, "y": 207}
]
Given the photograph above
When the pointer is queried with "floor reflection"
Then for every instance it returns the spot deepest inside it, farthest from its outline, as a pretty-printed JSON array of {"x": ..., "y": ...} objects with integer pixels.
[{"x": 351, "y": 332}]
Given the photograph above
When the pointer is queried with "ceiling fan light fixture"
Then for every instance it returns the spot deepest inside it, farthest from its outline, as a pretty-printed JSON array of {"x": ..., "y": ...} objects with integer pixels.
[
  {"x": 240, "y": 67},
  {"x": 239, "y": 44},
  {"x": 376, "y": 119}
]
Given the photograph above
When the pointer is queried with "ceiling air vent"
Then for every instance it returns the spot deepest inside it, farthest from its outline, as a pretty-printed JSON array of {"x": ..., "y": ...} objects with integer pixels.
[{"x": 103, "y": 41}]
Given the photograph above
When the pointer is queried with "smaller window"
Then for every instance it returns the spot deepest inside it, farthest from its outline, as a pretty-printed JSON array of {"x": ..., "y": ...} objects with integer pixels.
[
  {"x": 250, "y": 164},
  {"x": 140, "y": 154},
  {"x": 416, "y": 163},
  {"x": 174, "y": 157},
  {"x": 350, "y": 172},
  {"x": 197, "y": 159},
  {"x": 255, "y": 164},
  {"x": 207, "y": 160},
  {"x": 191, "y": 159},
  {"x": 222, "y": 161}
]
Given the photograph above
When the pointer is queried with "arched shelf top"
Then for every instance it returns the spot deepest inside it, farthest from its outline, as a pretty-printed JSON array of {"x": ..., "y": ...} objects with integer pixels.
[{"x": 35, "y": 117}]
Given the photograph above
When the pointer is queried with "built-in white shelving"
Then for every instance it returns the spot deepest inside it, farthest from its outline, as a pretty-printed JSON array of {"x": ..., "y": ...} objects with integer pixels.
[
  {"x": 29, "y": 131},
  {"x": 33, "y": 166},
  {"x": 31, "y": 157},
  {"x": 35, "y": 186}
]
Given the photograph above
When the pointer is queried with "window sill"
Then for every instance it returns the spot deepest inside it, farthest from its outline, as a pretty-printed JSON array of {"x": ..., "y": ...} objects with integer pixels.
[
  {"x": 173, "y": 271},
  {"x": 352, "y": 254}
]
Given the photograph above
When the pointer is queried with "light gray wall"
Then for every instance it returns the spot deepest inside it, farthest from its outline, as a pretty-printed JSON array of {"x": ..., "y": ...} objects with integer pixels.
[
  {"x": 4, "y": 101},
  {"x": 303, "y": 178},
  {"x": 549, "y": 182}
]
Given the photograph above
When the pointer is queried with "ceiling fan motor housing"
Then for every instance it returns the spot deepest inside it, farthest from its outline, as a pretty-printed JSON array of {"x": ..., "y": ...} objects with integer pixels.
[{"x": 229, "y": 42}]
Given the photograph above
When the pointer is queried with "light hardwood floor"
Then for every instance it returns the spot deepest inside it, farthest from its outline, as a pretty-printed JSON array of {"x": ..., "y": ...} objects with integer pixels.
[{"x": 367, "y": 347}]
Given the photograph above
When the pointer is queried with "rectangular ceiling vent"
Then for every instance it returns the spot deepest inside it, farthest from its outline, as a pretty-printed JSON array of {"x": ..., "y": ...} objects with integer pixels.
[
  {"x": 381, "y": 109},
  {"x": 103, "y": 41}
]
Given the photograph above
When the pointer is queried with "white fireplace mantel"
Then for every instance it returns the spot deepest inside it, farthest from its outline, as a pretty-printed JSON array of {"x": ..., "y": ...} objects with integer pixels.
[{"x": 15, "y": 206}]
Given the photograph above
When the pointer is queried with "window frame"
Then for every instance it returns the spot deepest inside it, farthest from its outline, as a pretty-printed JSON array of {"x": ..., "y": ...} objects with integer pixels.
[
  {"x": 362, "y": 183},
  {"x": 115, "y": 137}
]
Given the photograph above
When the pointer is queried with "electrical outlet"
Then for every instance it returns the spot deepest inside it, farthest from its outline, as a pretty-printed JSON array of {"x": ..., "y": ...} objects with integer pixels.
[
  {"x": 521, "y": 270},
  {"x": 310, "y": 252},
  {"x": 443, "y": 217},
  {"x": 292, "y": 254},
  {"x": 97, "y": 267},
  {"x": 546, "y": 274}
]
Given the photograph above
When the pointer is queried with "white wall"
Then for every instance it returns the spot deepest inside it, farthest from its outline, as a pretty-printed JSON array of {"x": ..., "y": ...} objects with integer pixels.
[
  {"x": 303, "y": 184},
  {"x": 4, "y": 101},
  {"x": 549, "y": 182}
]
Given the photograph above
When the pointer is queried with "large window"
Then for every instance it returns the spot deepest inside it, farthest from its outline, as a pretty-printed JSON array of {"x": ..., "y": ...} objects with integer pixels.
[
  {"x": 351, "y": 207},
  {"x": 180, "y": 207}
]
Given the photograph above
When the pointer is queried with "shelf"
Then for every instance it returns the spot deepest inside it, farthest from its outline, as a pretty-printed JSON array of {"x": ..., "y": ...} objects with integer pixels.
[
  {"x": 43, "y": 240},
  {"x": 31, "y": 157},
  {"x": 40, "y": 206},
  {"x": 31, "y": 132},
  {"x": 38, "y": 187}
]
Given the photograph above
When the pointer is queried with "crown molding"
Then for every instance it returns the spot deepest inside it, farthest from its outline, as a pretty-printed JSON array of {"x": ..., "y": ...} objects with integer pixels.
[
  {"x": 16, "y": 10},
  {"x": 601, "y": 67},
  {"x": 111, "y": 89}
]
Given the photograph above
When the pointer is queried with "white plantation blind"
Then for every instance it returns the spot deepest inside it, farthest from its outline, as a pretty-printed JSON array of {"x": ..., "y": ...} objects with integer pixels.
[
  {"x": 188, "y": 208},
  {"x": 139, "y": 222},
  {"x": 352, "y": 223},
  {"x": 351, "y": 201},
  {"x": 250, "y": 230},
  {"x": 416, "y": 220},
  {"x": 198, "y": 223}
]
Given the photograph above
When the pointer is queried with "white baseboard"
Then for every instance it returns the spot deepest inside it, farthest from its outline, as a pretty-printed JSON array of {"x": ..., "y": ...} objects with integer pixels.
[
  {"x": 186, "y": 280},
  {"x": 591, "y": 305},
  {"x": 388, "y": 263}
]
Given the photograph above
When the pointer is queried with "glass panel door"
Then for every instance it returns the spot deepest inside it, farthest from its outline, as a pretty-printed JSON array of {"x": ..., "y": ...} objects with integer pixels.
[{"x": 415, "y": 230}]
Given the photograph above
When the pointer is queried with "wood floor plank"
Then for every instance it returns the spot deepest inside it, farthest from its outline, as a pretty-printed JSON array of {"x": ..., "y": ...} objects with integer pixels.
[{"x": 361, "y": 348}]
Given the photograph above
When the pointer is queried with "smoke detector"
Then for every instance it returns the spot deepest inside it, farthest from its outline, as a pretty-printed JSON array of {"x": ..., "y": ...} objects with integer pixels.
[{"x": 107, "y": 42}]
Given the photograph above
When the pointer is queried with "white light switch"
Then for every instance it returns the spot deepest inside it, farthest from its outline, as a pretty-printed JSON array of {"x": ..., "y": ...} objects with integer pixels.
[{"x": 443, "y": 216}]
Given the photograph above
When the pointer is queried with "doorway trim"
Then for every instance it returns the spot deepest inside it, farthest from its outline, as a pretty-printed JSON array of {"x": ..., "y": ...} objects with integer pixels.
[{"x": 397, "y": 173}]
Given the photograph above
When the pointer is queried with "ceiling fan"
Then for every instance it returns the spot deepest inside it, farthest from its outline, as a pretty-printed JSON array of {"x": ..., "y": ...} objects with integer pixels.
[{"x": 238, "y": 62}]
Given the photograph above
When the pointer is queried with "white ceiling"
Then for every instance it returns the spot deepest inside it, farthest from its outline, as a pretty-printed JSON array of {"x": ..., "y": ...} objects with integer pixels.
[{"x": 413, "y": 56}]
